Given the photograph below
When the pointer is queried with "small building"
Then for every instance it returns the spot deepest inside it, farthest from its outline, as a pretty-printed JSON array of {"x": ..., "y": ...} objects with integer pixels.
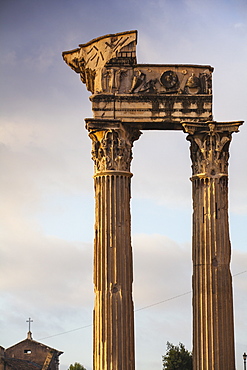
[{"x": 29, "y": 355}]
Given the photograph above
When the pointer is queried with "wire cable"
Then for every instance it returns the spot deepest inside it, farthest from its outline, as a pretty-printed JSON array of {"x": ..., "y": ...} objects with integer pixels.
[
  {"x": 138, "y": 309},
  {"x": 165, "y": 300},
  {"x": 65, "y": 332}
]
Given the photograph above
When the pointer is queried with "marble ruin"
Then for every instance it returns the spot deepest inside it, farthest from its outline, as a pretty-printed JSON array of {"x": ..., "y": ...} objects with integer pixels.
[{"x": 128, "y": 98}]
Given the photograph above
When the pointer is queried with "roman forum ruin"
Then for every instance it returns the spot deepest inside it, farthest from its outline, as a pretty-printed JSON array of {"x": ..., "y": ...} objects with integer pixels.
[{"x": 128, "y": 98}]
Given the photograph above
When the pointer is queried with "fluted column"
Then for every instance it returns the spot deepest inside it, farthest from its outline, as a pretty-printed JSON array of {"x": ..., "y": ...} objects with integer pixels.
[
  {"x": 113, "y": 271},
  {"x": 213, "y": 326}
]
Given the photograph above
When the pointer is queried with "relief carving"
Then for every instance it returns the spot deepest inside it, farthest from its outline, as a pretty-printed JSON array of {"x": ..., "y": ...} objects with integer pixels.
[
  {"x": 115, "y": 80},
  {"x": 169, "y": 80},
  {"x": 206, "y": 82},
  {"x": 193, "y": 85},
  {"x": 140, "y": 84},
  {"x": 107, "y": 64},
  {"x": 106, "y": 80},
  {"x": 108, "y": 67}
]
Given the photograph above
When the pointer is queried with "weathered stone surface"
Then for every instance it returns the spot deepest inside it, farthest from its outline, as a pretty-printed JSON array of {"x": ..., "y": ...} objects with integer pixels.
[
  {"x": 150, "y": 95},
  {"x": 113, "y": 271},
  {"x": 112, "y": 144},
  {"x": 90, "y": 59},
  {"x": 213, "y": 326}
]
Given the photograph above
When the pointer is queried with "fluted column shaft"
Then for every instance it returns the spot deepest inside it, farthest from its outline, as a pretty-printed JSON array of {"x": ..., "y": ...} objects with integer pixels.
[
  {"x": 213, "y": 327},
  {"x": 113, "y": 268}
]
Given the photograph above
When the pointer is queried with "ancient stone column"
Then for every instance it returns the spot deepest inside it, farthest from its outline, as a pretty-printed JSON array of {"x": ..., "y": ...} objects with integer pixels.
[
  {"x": 128, "y": 97},
  {"x": 113, "y": 271},
  {"x": 213, "y": 327}
]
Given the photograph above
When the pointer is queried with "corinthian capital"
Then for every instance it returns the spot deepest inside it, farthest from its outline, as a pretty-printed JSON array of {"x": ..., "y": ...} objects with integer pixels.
[
  {"x": 210, "y": 147},
  {"x": 111, "y": 145}
]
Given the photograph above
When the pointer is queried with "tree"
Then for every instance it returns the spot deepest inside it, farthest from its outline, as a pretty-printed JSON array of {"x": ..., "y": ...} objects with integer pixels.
[
  {"x": 177, "y": 358},
  {"x": 76, "y": 366}
]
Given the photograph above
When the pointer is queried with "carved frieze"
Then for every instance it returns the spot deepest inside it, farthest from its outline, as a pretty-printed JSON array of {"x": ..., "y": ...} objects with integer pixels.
[{"x": 108, "y": 67}]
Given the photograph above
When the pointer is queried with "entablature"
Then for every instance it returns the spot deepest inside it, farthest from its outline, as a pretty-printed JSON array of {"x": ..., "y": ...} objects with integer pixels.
[{"x": 153, "y": 95}]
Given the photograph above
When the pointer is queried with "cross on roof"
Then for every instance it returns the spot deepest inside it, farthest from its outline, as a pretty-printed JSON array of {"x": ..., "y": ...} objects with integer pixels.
[{"x": 29, "y": 323}]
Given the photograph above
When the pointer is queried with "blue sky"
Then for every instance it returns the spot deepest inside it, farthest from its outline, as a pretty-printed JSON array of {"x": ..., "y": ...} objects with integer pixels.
[{"x": 47, "y": 200}]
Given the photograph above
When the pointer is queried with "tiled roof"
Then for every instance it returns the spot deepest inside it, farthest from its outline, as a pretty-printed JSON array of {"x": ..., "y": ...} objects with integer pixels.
[{"x": 16, "y": 364}]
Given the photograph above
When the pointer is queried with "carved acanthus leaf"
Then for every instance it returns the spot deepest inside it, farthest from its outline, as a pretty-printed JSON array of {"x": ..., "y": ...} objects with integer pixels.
[
  {"x": 209, "y": 153},
  {"x": 112, "y": 149}
]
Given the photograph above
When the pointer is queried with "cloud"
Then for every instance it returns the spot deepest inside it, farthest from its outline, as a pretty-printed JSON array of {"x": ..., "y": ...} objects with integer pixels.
[
  {"x": 157, "y": 260},
  {"x": 43, "y": 58},
  {"x": 162, "y": 271},
  {"x": 41, "y": 266},
  {"x": 9, "y": 59},
  {"x": 161, "y": 168},
  {"x": 239, "y": 25}
]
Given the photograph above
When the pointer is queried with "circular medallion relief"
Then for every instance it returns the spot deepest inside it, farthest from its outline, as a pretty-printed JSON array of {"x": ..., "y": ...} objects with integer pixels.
[{"x": 169, "y": 79}]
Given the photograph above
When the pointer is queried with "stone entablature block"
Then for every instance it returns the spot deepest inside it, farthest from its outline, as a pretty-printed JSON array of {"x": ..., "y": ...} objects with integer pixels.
[{"x": 150, "y": 95}]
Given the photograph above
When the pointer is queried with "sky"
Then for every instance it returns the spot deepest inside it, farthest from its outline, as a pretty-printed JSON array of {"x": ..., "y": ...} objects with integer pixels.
[{"x": 47, "y": 199}]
